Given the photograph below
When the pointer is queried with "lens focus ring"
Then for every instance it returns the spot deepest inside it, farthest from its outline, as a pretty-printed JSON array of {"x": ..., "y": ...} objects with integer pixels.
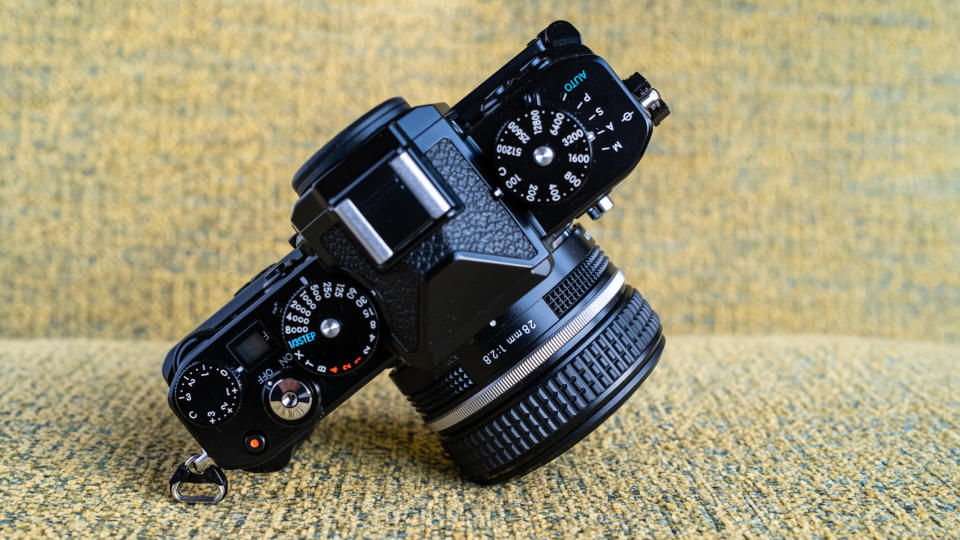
[{"x": 567, "y": 403}]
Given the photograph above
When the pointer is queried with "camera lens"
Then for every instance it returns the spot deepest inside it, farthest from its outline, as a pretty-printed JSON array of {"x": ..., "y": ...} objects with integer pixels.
[{"x": 543, "y": 375}]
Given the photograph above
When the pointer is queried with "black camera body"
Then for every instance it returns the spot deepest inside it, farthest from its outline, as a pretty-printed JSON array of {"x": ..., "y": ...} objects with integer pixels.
[{"x": 439, "y": 242}]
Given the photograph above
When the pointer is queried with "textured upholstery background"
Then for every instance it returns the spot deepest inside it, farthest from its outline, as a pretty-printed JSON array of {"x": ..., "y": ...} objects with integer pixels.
[
  {"x": 808, "y": 181},
  {"x": 730, "y": 436}
]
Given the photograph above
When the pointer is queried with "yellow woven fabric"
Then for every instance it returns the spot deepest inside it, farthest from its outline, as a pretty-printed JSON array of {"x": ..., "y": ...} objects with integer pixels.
[
  {"x": 806, "y": 181},
  {"x": 730, "y": 436}
]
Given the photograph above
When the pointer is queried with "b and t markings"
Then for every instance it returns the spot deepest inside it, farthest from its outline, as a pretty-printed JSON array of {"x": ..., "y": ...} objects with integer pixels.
[{"x": 350, "y": 320}]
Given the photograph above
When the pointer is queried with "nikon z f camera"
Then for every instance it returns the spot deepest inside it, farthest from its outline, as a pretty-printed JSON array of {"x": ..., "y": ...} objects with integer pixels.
[{"x": 439, "y": 242}]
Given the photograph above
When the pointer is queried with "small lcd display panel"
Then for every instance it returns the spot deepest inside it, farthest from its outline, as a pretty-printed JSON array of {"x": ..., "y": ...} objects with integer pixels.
[{"x": 251, "y": 347}]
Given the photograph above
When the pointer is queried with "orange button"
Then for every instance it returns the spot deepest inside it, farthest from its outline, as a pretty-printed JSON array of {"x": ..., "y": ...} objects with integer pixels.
[{"x": 255, "y": 442}]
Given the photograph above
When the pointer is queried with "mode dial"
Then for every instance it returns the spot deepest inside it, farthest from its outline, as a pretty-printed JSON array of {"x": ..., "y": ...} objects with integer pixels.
[
  {"x": 330, "y": 326},
  {"x": 207, "y": 394},
  {"x": 543, "y": 156}
]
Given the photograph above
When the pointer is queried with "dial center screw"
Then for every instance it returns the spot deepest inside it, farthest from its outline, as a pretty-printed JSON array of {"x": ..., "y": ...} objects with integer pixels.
[
  {"x": 543, "y": 155},
  {"x": 289, "y": 400},
  {"x": 330, "y": 328}
]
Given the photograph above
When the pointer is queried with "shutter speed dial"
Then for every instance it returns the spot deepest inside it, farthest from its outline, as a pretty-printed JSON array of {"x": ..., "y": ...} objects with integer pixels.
[
  {"x": 544, "y": 156},
  {"x": 330, "y": 326}
]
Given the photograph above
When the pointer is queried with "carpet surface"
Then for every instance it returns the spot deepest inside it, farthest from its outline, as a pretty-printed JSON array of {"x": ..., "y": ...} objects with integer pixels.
[
  {"x": 730, "y": 436},
  {"x": 807, "y": 180}
]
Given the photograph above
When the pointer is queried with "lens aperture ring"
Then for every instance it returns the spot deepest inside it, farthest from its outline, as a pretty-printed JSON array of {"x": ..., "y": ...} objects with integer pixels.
[
  {"x": 528, "y": 431},
  {"x": 445, "y": 390}
]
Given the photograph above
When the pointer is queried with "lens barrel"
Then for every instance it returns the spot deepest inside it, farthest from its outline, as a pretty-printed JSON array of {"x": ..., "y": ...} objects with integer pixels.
[
  {"x": 532, "y": 403},
  {"x": 566, "y": 402}
]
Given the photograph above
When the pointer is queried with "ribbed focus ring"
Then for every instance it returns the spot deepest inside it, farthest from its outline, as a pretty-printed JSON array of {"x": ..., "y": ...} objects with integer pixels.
[{"x": 525, "y": 425}]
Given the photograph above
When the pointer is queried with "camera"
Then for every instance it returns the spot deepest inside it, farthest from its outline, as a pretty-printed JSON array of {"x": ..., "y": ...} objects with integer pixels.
[{"x": 439, "y": 243}]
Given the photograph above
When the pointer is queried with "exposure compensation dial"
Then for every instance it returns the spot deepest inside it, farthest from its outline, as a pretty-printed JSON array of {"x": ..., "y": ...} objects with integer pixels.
[{"x": 207, "y": 394}]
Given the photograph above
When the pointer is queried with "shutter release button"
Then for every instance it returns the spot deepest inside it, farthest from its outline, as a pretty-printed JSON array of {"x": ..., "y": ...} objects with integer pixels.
[{"x": 289, "y": 399}]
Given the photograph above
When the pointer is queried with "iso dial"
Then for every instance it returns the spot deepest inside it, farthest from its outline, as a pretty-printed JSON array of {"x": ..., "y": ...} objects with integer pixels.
[{"x": 543, "y": 156}]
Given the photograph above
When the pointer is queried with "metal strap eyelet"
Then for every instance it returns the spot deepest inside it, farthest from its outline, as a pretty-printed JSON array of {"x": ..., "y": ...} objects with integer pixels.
[{"x": 199, "y": 469}]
